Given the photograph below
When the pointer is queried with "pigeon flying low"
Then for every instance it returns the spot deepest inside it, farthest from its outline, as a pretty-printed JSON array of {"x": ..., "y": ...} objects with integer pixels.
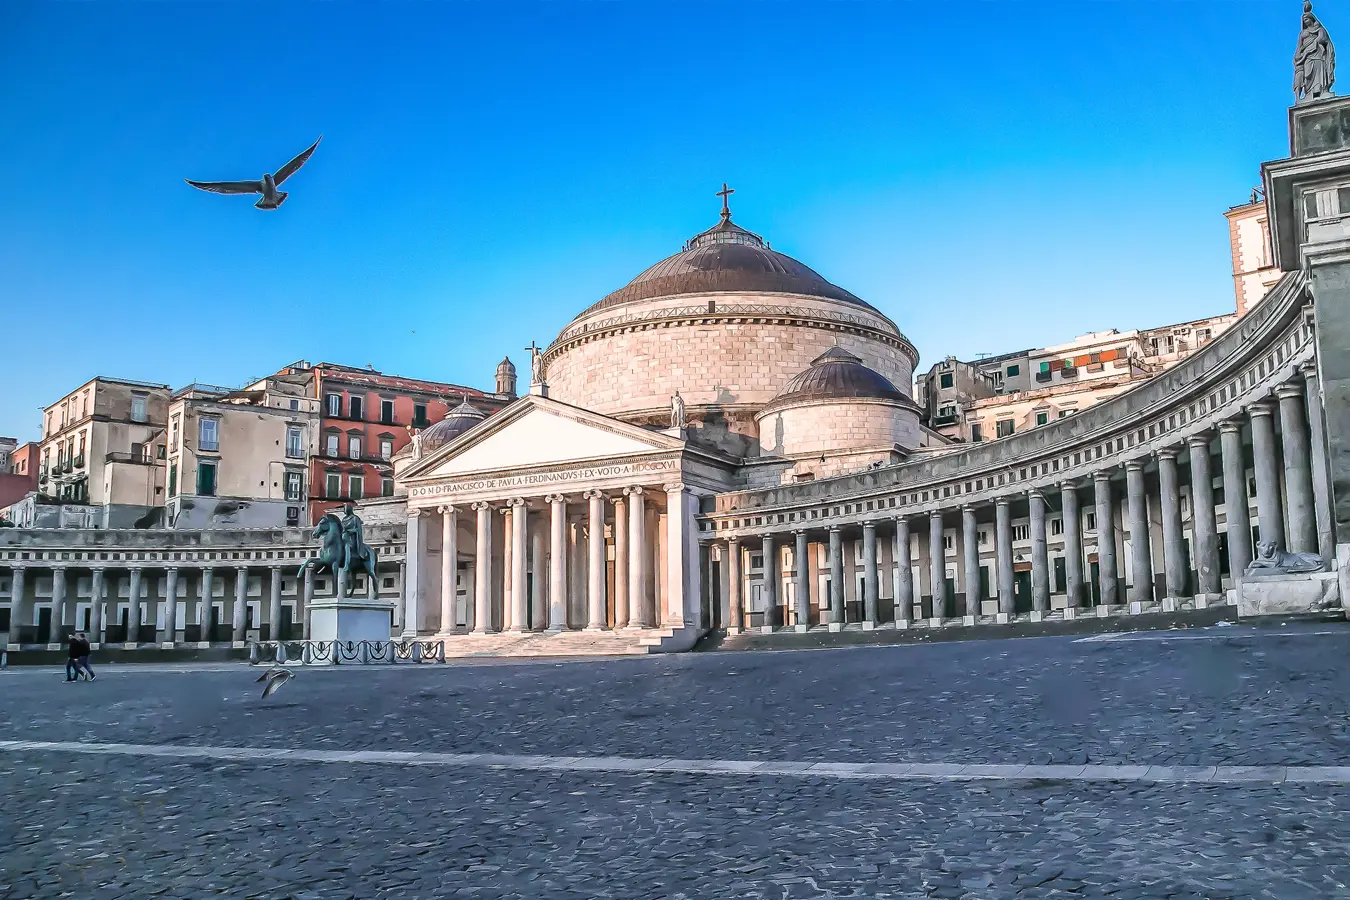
[
  {"x": 271, "y": 197},
  {"x": 275, "y": 678}
]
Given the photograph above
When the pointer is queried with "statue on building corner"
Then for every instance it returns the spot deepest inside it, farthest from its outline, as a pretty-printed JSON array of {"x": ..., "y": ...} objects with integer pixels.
[
  {"x": 536, "y": 363},
  {"x": 1270, "y": 560},
  {"x": 1314, "y": 60},
  {"x": 415, "y": 435},
  {"x": 677, "y": 417}
]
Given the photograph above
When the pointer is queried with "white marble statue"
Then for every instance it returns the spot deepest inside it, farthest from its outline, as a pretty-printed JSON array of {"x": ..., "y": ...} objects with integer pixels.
[{"x": 677, "y": 419}]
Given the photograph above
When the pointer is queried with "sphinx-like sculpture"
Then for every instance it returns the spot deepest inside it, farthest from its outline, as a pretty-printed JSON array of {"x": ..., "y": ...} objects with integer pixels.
[{"x": 1270, "y": 560}]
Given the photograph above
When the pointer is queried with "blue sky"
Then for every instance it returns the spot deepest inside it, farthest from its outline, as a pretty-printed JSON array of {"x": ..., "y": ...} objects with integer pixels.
[{"x": 991, "y": 175}]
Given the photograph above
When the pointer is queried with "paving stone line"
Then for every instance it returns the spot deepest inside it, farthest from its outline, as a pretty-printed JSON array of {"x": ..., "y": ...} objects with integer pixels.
[{"x": 1265, "y": 775}]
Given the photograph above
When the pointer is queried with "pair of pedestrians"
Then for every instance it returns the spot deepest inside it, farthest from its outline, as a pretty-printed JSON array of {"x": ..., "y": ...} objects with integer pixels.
[{"x": 77, "y": 661}]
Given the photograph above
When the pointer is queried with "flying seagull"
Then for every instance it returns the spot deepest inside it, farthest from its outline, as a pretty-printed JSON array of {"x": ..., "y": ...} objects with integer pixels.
[
  {"x": 275, "y": 678},
  {"x": 271, "y": 197}
]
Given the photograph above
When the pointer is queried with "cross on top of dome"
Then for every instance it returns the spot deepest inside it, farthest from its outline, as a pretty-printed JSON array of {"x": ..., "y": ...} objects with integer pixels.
[{"x": 725, "y": 231}]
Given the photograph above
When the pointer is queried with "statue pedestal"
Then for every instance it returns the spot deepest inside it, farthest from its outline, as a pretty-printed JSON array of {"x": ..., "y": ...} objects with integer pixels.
[
  {"x": 350, "y": 619},
  {"x": 1288, "y": 595}
]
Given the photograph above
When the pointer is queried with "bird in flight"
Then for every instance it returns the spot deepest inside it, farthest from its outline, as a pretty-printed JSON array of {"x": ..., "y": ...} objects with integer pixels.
[
  {"x": 271, "y": 197},
  {"x": 275, "y": 678}
]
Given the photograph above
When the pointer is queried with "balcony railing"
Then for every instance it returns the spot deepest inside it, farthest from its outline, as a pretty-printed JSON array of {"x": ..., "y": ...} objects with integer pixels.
[{"x": 135, "y": 458}]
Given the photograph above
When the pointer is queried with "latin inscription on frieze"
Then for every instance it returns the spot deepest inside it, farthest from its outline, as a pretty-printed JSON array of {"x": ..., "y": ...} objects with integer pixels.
[{"x": 545, "y": 479}]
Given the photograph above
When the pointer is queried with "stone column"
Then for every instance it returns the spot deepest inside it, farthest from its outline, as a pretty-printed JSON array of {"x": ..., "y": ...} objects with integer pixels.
[
  {"x": 171, "y": 607},
  {"x": 134, "y": 606},
  {"x": 17, "y": 604},
  {"x": 274, "y": 604},
  {"x": 1203, "y": 523},
  {"x": 204, "y": 601},
  {"x": 970, "y": 552},
  {"x": 771, "y": 566},
  {"x": 482, "y": 571},
  {"x": 1321, "y": 476},
  {"x": 621, "y": 605},
  {"x": 449, "y": 566},
  {"x": 557, "y": 563},
  {"x": 1141, "y": 556},
  {"x": 904, "y": 579},
  {"x": 95, "y": 607},
  {"x": 681, "y": 599},
  {"x": 1073, "y": 545},
  {"x": 1003, "y": 529},
  {"x": 836, "y": 578},
  {"x": 520, "y": 584},
  {"x": 735, "y": 605},
  {"x": 641, "y": 614},
  {"x": 508, "y": 565},
  {"x": 307, "y": 600},
  {"x": 398, "y": 604},
  {"x": 1106, "y": 538},
  {"x": 1174, "y": 544},
  {"x": 1040, "y": 556},
  {"x": 870, "y": 617},
  {"x": 1237, "y": 518},
  {"x": 415, "y": 557},
  {"x": 1269, "y": 510},
  {"x": 1298, "y": 493},
  {"x": 937, "y": 565},
  {"x": 803, "y": 560},
  {"x": 595, "y": 563},
  {"x": 58, "y": 604},
  {"x": 239, "y": 620}
]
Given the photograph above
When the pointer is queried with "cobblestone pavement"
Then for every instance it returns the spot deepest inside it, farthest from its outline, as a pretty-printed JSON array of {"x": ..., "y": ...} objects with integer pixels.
[{"x": 105, "y": 826}]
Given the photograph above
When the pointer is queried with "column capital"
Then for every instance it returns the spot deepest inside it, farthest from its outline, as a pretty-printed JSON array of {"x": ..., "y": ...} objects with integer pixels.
[
  {"x": 869, "y": 525},
  {"x": 1309, "y": 370},
  {"x": 515, "y": 502},
  {"x": 634, "y": 491},
  {"x": 1230, "y": 426},
  {"x": 1102, "y": 475},
  {"x": 414, "y": 512},
  {"x": 1289, "y": 391},
  {"x": 481, "y": 505},
  {"x": 446, "y": 510},
  {"x": 1199, "y": 440},
  {"x": 674, "y": 487},
  {"x": 1166, "y": 452},
  {"x": 1068, "y": 484},
  {"x": 1002, "y": 501},
  {"x": 967, "y": 508},
  {"x": 1135, "y": 464},
  {"x": 835, "y": 529},
  {"x": 275, "y": 567},
  {"x": 733, "y": 543},
  {"x": 243, "y": 568},
  {"x": 594, "y": 495},
  {"x": 555, "y": 498},
  {"x": 1260, "y": 408}
]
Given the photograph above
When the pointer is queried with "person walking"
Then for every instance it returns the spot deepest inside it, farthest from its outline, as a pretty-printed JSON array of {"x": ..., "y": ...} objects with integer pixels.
[
  {"x": 83, "y": 661},
  {"x": 73, "y": 651}
]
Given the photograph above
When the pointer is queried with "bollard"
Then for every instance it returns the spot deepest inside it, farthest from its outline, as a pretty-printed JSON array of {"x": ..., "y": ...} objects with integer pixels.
[
  {"x": 252, "y": 654},
  {"x": 281, "y": 653},
  {"x": 4, "y": 659}
]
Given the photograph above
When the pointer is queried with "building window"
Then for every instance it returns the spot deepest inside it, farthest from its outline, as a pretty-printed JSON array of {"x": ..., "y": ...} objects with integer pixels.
[
  {"x": 357, "y": 408},
  {"x": 333, "y": 485},
  {"x": 173, "y": 479},
  {"x": 1014, "y": 371},
  {"x": 295, "y": 485},
  {"x": 1003, "y": 428},
  {"x": 173, "y": 435},
  {"x": 1091, "y": 522},
  {"x": 137, "y": 407},
  {"x": 420, "y": 415},
  {"x": 356, "y": 486},
  {"x": 386, "y": 487},
  {"x": 208, "y": 435},
  {"x": 334, "y": 404},
  {"x": 976, "y": 433},
  {"x": 387, "y": 412},
  {"x": 206, "y": 479},
  {"x": 295, "y": 404},
  {"x": 1065, "y": 413},
  {"x": 1042, "y": 418},
  {"x": 386, "y": 448},
  {"x": 331, "y": 444},
  {"x": 354, "y": 446},
  {"x": 1021, "y": 532},
  {"x": 945, "y": 379},
  {"x": 1056, "y": 526},
  {"x": 295, "y": 442}
]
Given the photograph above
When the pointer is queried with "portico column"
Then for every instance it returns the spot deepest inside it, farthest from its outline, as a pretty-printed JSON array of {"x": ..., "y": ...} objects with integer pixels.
[
  {"x": 869, "y": 574},
  {"x": 482, "y": 571},
  {"x": 836, "y": 578},
  {"x": 681, "y": 600},
  {"x": 539, "y": 573},
  {"x": 520, "y": 594},
  {"x": 802, "y": 558},
  {"x": 735, "y": 605},
  {"x": 937, "y": 565},
  {"x": 1321, "y": 477},
  {"x": 1269, "y": 512},
  {"x": 1236, "y": 517},
  {"x": 557, "y": 562},
  {"x": 58, "y": 604},
  {"x": 273, "y": 604},
  {"x": 307, "y": 601},
  {"x": 204, "y": 602},
  {"x": 171, "y": 604},
  {"x": 639, "y": 594},
  {"x": 18, "y": 606},
  {"x": 1040, "y": 558},
  {"x": 771, "y": 567},
  {"x": 1106, "y": 538},
  {"x": 595, "y": 563},
  {"x": 621, "y": 607},
  {"x": 415, "y": 556},
  {"x": 508, "y": 566},
  {"x": 970, "y": 552},
  {"x": 1174, "y": 546},
  {"x": 1141, "y": 552},
  {"x": 1203, "y": 524},
  {"x": 134, "y": 607},
  {"x": 95, "y": 606},
  {"x": 904, "y": 579},
  {"x": 238, "y": 619},
  {"x": 1003, "y": 527},
  {"x": 1298, "y": 493},
  {"x": 449, "y": 566},
  {"x": 1073, "y": 544}
]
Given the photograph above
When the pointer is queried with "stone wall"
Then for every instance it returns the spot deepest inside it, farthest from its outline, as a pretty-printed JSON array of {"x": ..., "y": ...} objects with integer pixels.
[{"x": 822, "y": 427}]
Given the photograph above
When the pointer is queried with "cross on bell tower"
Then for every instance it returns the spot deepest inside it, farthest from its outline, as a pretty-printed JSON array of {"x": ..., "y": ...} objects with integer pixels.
[{"x": 725, "y": 193}]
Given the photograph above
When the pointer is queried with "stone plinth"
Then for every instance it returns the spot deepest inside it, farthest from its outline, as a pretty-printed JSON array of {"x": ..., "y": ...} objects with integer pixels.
[
  {"x": 352, "y": 619},
  {"x": 1285, "y": 595}
]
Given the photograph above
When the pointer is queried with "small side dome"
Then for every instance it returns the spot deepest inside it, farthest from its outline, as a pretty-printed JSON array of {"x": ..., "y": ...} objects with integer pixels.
[
  {"x": 456, "y": 422},
  {"x": 837, "y": 375},
  {"x": 506, "y": 367}
]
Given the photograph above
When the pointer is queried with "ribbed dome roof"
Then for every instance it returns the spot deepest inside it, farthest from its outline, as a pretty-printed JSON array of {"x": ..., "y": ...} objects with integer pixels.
[
  {"x": 456, "y": 422},
  {"x": 726, "y": 257},
  {"x": 837, "y": 375}
]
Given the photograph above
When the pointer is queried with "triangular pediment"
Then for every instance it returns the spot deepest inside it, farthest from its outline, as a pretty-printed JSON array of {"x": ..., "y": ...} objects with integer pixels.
[{"x": 535, "y": 431}]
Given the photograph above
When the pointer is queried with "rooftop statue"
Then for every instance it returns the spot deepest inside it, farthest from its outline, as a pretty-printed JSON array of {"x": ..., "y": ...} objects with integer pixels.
[
  {"x": 677, "y": 418},
  {"x": 1314, "y": 60}
]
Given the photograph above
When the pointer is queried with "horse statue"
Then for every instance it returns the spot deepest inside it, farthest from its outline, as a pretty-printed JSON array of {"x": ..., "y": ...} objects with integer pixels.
[
  {"x": 1270, "y": 560},
  {"x": 343, "y": 551}
]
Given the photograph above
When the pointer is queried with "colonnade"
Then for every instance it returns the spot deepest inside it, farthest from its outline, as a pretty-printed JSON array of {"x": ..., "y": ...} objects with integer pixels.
[{"x": 1292, "y": 504}]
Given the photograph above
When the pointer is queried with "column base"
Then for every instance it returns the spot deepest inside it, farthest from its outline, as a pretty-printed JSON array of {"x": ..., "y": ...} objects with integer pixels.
[
  {"x": 765, "y": 629},
  {"x": 132, "y": 645},
  {"x": 1205, "y": 601},
  {"x": 1170, "y": 604},
  {"x": 836, "y": 626},
  {"x": 968, "y": 620},
  {"x": 935, "y": 622},
  {"x": 801, "y": 629},
  {"x": 203, "y": 645},
  {"x": 1002, "y": 618},
  {"x": 1070, "y": 612},
  {"x": 53, "y": 646},
  {"x": 1037, "y": 615},
  {"x": 869, "y": 626},
  {"x": 903, "y": 624},
  {"x": 166, "y": 645},
  {"x": 237, "y": 645},
  {"x": 731, "y": 629},
  {"x": 596, "y": 628}
]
